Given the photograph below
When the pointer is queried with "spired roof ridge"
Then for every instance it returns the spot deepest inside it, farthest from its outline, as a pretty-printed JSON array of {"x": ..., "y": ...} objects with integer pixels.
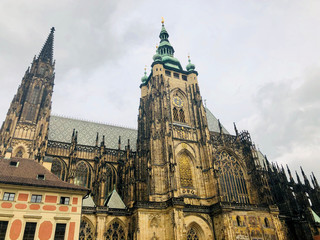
[{"x": 46, "y": 53}]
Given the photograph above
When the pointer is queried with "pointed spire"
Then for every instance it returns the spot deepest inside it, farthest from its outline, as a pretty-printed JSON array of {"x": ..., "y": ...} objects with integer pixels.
[
  {"x": 298, "y": 178},
  {"x": 306, "y": 181},
  {"x": 290, "y": 176},
  {"x": 46, "y": 53},
  {"x": 97, "y": 139},
  {"x": 315, "y": 180},
  {"x": 220, "y": 127},
  {"x": 73, "y": 134},
  {"x": 76, "y": 137},
  {"x": 235, "y": 129},
  {"x": 102, "y": 142},
  {"x": 119, "y": 143},
  {"x": 165, "y": 47}
]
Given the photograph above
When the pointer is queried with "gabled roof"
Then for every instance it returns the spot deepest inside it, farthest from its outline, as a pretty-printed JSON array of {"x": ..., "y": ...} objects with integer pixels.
[
  {"x": 114, "y": 201},
  {"x": 61, "y": 128},
  {"x": 88, "y": 202},
  {"x": 27, "y": 171}
]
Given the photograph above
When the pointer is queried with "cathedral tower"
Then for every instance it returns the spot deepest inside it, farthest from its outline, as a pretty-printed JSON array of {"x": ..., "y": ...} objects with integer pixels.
[
  {"x": 173, "y": 129},
  {"x": 24, "y": 131}
]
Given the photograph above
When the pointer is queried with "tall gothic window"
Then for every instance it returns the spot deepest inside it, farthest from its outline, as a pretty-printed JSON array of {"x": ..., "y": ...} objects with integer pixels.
[
  {"x": 181, "y": 115},
  {"x": 115, "y": 232},
  {"x": 86, "y": 231},
  {"x": 58, "y": 169},
  {"x": 82, "y": 176},
  {"x": 31, "y": 112},
  {"x": 175, "y": 114},
  {"x": 231, "y": 179},
  {"x": 9, "y": 125},
  {"x": 35, "y": 95},
  {"x": 192, "y": 235},
  {"x": 185, "y": 171},
  {"x": 110, "y": 180}
]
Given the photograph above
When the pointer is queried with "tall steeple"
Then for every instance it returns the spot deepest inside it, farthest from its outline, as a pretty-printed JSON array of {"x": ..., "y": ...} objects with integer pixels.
[
  {"x": 165, "y": 47},
  {"x": 26, "y": 126},
  {"x": 46, "y": 54}
]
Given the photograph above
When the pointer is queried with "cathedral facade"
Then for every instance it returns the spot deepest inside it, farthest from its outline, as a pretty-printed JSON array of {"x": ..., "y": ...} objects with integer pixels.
[{"x": 181, "y": 175}]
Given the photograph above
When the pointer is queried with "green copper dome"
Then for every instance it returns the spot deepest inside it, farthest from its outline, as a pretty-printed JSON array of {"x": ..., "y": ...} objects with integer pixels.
[
  {"x": 165, "y": 52},
  {"x": 144, "y": 78},
  {"x": 157, "y": 57},
  {"x": 190, "y": 67}
]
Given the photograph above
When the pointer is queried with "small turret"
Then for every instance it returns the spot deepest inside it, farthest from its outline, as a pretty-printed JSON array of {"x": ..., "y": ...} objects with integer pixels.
[
  {"x": 144, "y": 79},
  {"x": 190, "y": 67}
]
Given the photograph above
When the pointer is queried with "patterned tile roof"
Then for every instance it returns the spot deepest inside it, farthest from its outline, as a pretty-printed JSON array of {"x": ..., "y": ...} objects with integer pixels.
[
  {"x": 61, "y": 128},
  {"x": 213, "y": 124}
]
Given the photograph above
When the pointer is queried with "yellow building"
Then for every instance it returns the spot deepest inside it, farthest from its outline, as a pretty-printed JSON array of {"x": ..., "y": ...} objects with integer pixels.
[
  {"x": 180, "y": 176},
  {"x": 35, "y": 204}
]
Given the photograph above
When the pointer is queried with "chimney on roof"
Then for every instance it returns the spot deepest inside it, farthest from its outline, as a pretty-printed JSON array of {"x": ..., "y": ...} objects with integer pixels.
[{"x": 8, "y": 153}]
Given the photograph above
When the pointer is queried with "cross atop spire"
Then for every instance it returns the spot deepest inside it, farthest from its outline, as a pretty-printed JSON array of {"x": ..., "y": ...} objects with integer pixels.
[{"x": 46, "y": 53}]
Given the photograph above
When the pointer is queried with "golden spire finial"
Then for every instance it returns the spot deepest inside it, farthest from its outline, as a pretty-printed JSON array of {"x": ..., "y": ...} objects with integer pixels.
[
  {"x": 145, "y": 68},
  {"x": 156, "y": 46},
  {"x": 162, "y": 20}
]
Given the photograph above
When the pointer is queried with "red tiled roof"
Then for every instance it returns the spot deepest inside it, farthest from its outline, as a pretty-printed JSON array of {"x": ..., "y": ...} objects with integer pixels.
[{"x": 26, "y": 173}]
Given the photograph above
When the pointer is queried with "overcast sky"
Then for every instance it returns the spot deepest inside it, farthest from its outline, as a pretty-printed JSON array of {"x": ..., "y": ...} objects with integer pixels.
[{"x": 258, "y": 62}]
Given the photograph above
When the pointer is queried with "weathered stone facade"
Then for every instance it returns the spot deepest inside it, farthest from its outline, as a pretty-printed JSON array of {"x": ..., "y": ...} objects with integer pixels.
[{"x": 180, "y": 176}]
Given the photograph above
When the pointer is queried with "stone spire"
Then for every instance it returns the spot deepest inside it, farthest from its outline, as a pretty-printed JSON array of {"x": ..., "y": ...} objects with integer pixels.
[{"x": 46, "y": 53}]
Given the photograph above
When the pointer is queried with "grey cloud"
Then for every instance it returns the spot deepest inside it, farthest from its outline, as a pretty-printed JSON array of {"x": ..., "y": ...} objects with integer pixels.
[{"x": 287, "y": 121}]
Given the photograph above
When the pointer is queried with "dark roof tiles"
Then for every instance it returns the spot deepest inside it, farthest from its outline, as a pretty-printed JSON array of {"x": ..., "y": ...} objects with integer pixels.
[{"x": 26, "y": 173}]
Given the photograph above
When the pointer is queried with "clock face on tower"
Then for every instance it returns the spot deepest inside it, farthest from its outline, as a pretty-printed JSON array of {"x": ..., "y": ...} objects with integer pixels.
[{"x": 177, "y": 101}]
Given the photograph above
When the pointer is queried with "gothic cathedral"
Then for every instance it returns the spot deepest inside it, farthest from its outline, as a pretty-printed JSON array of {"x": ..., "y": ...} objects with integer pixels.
[{"x": 180, "y": 176}]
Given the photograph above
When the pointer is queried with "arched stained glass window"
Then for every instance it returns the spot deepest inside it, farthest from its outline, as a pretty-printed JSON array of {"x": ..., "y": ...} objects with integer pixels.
[
  {"x": 82, "y": 175},
  {"x": 86, "y": 231},
  {"x": 115, "y": 232},
  {"x": 192, "y": 235},
  {"x": 58, "y": 169},
  {"x": 35, "y": 95},
  {"x": 175, "y": 114},
  {"x": 181, "y": 115},
  {"x": 231, "y": 179},
  {"x": 185, "y": 171},
  {"x": 110, "y": 180}
]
